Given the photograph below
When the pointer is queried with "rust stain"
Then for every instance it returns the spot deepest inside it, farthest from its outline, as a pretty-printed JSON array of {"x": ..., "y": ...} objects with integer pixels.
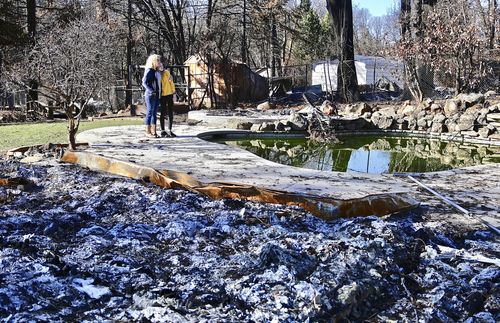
[{"x": 324, "y": 207}]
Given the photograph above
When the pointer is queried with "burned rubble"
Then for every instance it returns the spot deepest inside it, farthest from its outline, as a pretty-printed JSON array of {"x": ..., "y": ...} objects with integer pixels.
[{"x": 78, "y": 245}]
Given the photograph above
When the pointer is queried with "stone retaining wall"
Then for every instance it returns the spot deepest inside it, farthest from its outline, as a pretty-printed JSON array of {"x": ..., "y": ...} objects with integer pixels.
[
  {"x": 466, "y": 117},
  {"x": 471, "y": 118}
]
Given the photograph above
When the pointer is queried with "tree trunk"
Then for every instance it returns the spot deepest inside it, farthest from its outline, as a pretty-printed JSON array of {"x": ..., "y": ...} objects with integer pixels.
[
  {"x": 72, "y": 126},
  {"x": 244, "y": 48},
  {"x": 72, "y": 139},
  {"x": 424, "y": 73},
  {"x": 128, "y": 89},
  {"x": 419, "y": 77},
  {"x": 405, "y": 17},
  {"x": 275, "y": 48},
  {"x": 341, "y": 15},
  {"x": 492, "y": 18},
  {"x": 31, "y": 15}
]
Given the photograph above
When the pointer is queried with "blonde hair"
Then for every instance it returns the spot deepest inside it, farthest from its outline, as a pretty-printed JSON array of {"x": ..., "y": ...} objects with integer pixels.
[{"x": 153, "y": 62}]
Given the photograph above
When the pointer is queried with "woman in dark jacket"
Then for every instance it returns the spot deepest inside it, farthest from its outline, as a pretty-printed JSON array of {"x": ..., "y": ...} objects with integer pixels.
[{"x": 152, "y": 90}]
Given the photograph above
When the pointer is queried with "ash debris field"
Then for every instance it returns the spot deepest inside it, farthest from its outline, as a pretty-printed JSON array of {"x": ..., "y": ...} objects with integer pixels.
[{"x": 78, "y": 245}]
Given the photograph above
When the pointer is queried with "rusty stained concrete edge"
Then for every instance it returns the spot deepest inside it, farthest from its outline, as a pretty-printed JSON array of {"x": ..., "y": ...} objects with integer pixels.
[{"x": 323, "y": 207}]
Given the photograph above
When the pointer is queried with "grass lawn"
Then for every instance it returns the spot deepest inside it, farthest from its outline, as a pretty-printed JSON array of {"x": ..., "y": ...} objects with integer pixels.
[{"x": 12, "y": 136}]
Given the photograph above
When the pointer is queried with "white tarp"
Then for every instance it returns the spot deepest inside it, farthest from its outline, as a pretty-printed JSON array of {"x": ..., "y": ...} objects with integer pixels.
[{"x": 369, "y": 69}]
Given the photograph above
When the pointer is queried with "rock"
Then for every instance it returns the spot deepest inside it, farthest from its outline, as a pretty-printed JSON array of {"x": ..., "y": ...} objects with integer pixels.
[
  {"x": 18, "y": 154},
  {"x": 266, "y": 106},
  {"x": 279, "y": 125},
  {"x": 494, "y": 108},
  {"x": 451, "y": 125},
  {"x": 470, "y": 99},
  {"x": 422, "y": 123},
  {"x": 328, "y": 108},
  {"x": 470, "y": 133},
  {"x": 357, "y": 109},
  {"x": 408, "y": 110},
  {"x": 356, "y": 124},
  {"x": 412, "y": 122},
  {"x": 435, "y": 107},
  {"x": 493, "y": 117},
  {"x": 367, "y": 115},
  {"x": 255, "y": 127},
  {"x": 490, "y": 93},
  {"x": 421, "y": 113},
  {"x": 389, "y": 111},
  {"x": 90, "y": 118},
  {"x": 244, "y": 125},
  {"x": 485, "y": 132},
  {"x": 482, "y": 117},
  {"x": 475, "y": 109},
  {"x": 267, "y": 126},
  {"x": 466, "y": 122},
  {"x": 297, "y": 122},
  {"x": 102, "y": 114},
  {"x": 495, "y": 136},
  {"x": 439, "y": 118},
  {"x": 495, "y": 125},
  {"x": 451, "y": 107},
  {"x": 438, "y": 127},
  {"x": 426, "y": 104},
  {"x": 383, "y": 119}
]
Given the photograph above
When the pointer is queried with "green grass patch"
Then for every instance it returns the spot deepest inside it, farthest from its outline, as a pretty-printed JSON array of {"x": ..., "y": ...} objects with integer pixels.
[{"x": 28, "y": 134}]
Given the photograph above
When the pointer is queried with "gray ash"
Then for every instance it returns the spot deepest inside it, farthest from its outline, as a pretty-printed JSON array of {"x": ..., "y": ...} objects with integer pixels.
[{"x": 84, "y": 246}]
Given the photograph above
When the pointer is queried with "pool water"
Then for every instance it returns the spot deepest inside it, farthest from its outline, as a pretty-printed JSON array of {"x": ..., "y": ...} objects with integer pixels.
[{"x": 369, "y": 154}]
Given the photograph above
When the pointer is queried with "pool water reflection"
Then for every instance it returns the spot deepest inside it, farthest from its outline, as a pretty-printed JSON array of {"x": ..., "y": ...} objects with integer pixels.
[{"x": 370, "y": 154}]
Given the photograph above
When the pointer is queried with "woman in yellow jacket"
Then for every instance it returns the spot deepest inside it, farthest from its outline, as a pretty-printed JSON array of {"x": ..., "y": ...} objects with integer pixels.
[{"x": 167, "y": 102}]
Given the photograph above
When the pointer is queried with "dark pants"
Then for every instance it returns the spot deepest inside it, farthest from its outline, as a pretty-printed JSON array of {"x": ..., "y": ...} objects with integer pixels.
[{"x": 166, "y": 103}]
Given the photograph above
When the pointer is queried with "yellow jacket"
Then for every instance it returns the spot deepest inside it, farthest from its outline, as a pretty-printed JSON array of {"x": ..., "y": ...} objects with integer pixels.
[{"x": 167, "y": 83}]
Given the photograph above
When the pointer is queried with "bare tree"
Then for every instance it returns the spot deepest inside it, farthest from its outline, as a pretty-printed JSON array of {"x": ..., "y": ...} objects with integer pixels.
[
  {"x": 173, "y": 20},
  {"x": 347, "y": 83},
  {"x": 489, "y": 18},
  {"x": 445, "y": 39},
  {"x": 73, "y": 63}
]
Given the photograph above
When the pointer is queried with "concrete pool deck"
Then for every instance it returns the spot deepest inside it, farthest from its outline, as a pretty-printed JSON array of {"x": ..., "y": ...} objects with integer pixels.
[{"x": 211, "y": 162}]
